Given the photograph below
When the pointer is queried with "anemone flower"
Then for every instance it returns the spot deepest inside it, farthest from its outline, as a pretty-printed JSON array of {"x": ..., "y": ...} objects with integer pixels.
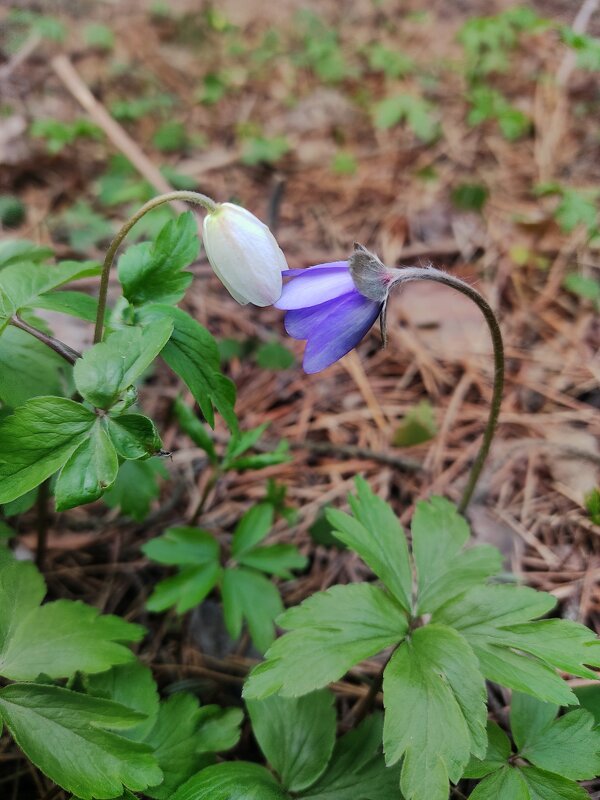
[{"x": 325, "y": 307}]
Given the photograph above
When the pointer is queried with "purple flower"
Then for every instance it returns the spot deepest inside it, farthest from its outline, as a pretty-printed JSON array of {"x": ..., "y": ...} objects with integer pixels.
[{"x": 324, "y": 307}]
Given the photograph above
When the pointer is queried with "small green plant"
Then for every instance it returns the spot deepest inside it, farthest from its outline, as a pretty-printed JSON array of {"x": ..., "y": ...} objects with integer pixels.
[
  {"x": 297, "y": 736},
  {"x": 344, "y": 163},
  {"x": 57, "y": 135},
  {"x": 592, "y": 503},
  {"x": 322, "y": 52},
  {"x": 458, "y": 629},
  {"x": 418, "y": 114},
  {"x": 99, "y": 36},
  {"x": 246, "y": 593},
  {"x": 469, "y": 196},
  {"x": 392, "y": 63},
  {"x": 264, "y": 149},
  {"x": 489, "y": 104},
  {"x": 551, "y": 754},
  {"x": 586, "y": 47},
  {"x": 417, "y": 427}
]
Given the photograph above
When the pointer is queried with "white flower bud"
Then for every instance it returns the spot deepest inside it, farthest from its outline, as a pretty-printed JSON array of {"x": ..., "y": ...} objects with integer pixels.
[{"x": 244, "y": 255}]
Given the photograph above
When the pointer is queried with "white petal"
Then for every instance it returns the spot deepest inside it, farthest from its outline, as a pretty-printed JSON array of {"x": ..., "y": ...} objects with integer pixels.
[{"x": 244, "y": 255}]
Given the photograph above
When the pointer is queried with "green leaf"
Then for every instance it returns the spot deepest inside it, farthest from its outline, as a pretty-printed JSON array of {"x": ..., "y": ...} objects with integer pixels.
[
  {"x": 28, "y": 368},
  {"x": 418, "y": 426},
  {"x": 545, "y": 786},
  {"x": 435, "y": 712},
  {"x": 568, "y": 746},
  {"x": 444, "y": 568},
  {"x": 193, "y": 354},
  {"x": 130, "y": 685},
  {"x": 416, "y": 111},
  {"x": 482, "y": 614},
  {"x": 253, "y": 527},
  {"x": 76, "y": 304},
  {"x": 13, "y": 251},
  {"x": 577, "y": 208},
  {"x": 195, "y": 430},
  {"x": 37, "y": 440},
  {"x": 183, "y": 546},
  {"x": 63, "y": 637},
  {"x": 529, "y": 717},
  {"x": 377, "y": 536},
  {"x": 22, "y": 589},
  {"x": 505, "y": 784},
  {"x": 134, "y": 436},
  {"x": 296, "y": 735},
  {"x": 219, "y": 728},
  {"x": 49, "y": 723},
  {"x": 357, "y": 770},
  {"x": 185, "y": 590},
  {"x": 339, "y": 628},
  {"x": 110, "y": 367},
  {"x": 22, "y": 284},
  {"x": 273, "y": 355},
  {"x": 264, "y": 150},
  {"x": 275, "y": 559},
  {"x": 497, "y": 754},
  {"x": 174, "y": 739},
  {"x": 249, "y": 595},
  {"x": 136, "y": 487},
  {"x": 90, "y": 470},
  {"x": 589, "y": 697},
  {"x": 232, "y": 780},
  {"x": 152, "y": 272}
]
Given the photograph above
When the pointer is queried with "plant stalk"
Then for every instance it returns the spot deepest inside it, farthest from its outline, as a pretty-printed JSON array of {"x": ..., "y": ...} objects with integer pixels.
[
  {"x": 59, "y": 347},
  {"x": 195, "y": 198}
]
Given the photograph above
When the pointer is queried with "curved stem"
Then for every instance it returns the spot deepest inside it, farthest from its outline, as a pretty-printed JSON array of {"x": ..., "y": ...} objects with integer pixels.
[
  {"x": 59, "y": 347},
  {"x": 436, "y": 275},
  {"x": 195, "y": 198}
]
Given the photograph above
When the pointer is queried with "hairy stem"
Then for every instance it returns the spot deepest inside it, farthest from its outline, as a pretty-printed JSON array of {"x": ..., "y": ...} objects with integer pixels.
[
  {"x": 430, "y": 274},
  {"x": 59, "y": 347},
  {"x": 195, "y": 198}
]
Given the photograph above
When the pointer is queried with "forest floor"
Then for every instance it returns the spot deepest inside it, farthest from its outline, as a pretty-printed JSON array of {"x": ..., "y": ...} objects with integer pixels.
[{"x": 491, "y": 170}]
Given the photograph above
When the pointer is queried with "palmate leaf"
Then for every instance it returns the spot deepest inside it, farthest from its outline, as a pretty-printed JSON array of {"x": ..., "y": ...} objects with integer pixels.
[
  {"x": 28, "y": 368},
  {"x": 50, "y": 723},
  {"x": 339, "y": 628},
  {"x": 57, "y": 638},
  {"x": 238, "y": 780},
  {"x": 248, "y": 595},
  {"x": 434, "y": 697}
]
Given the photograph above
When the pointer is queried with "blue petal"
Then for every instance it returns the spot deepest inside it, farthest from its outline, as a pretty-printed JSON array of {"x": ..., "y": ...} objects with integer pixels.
[
  {"x": 332, "y": 329},
  {"x": 313, "y": 288},
  {"x": 293, "y": 273}
]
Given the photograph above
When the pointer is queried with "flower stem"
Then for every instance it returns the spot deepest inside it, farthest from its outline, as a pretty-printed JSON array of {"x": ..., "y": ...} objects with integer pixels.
[
  {"x": 195, "y": 198},
  {"x": 431, "y": 274},
  {"x": 59, "y": 347}
]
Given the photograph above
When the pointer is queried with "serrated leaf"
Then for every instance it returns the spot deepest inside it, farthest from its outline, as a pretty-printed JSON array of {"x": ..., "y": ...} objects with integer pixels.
[
  {"x": 130, "y": 685},
  {"x": 568, "y": 746},
  {"x": 48, "y": 722},
  {"x": 183, "y": 546},
  {"x": 186, "y": 589},
  {"x": 37, "y": 440},
  {"x": 296, "y": 735},
  {"x": 339, "y": 627},
  {"x": 252, "y": 528},
  {"x": 136, "y": 487},
  {"x": 13, "y": 251},
  {"x": 249, "y": 596},
  {"x": 444, "y": 568},
  {"x": 545, "y": 786},
  {"x": 63, "y": 637},
  {"x": 377, "y": 536},
  {"x": 232, "y": 780},
  {"x": 357, "y": 770},
  {"x": 275, "y": 559},
  {"x": 435, "y": 712},
  {"x": 482, "y": 614},
  {"x": 497, "y": 754},
  {"x": 111, "y": 366},
  {"x": 192, "y": 353},
  {"x": 90, "y": 470},
  {"x": 174, "y": 740},
  {"x": 505, "y": 784},
  {"x": 151, "y": 272},
  {"x": 134, "y": 436}
]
